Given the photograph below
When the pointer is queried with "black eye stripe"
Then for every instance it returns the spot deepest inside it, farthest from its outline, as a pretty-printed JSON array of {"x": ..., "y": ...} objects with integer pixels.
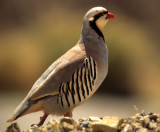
[
  {"x": 100, "y": 14},
  {"x": 105, "y": 12}
]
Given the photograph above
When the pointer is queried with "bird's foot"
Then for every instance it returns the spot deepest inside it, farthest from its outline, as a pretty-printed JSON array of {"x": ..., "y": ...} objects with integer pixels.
[{"x": 42, "y": 120}]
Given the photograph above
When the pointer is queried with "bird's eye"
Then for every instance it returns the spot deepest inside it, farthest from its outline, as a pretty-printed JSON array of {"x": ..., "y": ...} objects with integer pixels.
[
  {"x": 97, "y": 16},
  {"x": 100, "y": 14},
  {"x": 105, "y": 12}
]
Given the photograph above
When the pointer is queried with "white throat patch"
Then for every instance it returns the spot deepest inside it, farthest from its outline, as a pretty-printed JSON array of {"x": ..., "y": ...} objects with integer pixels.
[{"x": 101, "y": 22}]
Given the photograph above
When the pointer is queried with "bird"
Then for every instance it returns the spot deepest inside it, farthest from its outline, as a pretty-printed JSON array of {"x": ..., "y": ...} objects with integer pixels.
[{"x": 75, "y": 76}]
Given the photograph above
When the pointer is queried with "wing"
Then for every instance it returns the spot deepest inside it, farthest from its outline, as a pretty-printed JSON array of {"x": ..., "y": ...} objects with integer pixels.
[{"x": 60, "y": 71}]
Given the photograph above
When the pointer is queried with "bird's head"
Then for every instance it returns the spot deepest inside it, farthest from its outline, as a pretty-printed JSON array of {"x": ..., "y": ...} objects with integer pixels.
[
  {"x": 99, "y": 15},
  {"x": 96, "y": 18}
]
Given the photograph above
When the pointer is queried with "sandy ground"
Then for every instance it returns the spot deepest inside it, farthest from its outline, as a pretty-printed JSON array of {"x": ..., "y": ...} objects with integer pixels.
[{"x": 98, "y": 105}]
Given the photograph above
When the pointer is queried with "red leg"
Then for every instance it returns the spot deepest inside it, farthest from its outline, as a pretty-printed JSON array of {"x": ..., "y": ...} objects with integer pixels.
[
  {"x": 42, "y": 120},
  {"x": 68, "y": 114}
]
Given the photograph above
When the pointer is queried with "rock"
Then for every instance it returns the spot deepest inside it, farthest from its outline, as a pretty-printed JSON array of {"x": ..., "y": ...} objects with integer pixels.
[
  {"x": 152, "y": 125},
  {"x": 94, "y": 119},
  {"x": 107, "y": 124},
  {"x": 111, "y": 121},
  {"x": 145, "y": 122},
  {"x": 127, "y": 128},
  {"x": 67, "y": 120},
  {"x": 13, "y": 127},
  {"x": 84, "y": 122},
  {"x": 100, "y": 127},
  {"x": 84, "y": 125},
  {"x": 82, "y": 119},
  {"x": 142, "y": 130},
  {"x": 67, "y": 124},
  {"x": 52, "y": 126},
  {"x": 140, "y": 122}
]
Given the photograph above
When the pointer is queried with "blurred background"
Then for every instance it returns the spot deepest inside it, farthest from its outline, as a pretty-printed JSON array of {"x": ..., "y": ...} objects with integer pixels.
[{"x": 33, "y": 34}]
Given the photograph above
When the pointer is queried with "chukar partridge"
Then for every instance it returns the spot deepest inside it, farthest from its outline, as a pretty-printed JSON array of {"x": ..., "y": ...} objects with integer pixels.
[{"x": 75, "y": 76}]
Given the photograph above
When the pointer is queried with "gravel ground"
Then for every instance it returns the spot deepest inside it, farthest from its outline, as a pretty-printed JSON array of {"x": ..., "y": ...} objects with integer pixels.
[
  {"x": 97, "y": 106},
  {"x": 140, "y": 122}
]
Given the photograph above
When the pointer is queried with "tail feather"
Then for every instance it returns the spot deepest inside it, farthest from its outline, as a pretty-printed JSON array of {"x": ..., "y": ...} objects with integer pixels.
[
  {"x": 20, "y": 110},
  {"x": 27, "y": 106}
]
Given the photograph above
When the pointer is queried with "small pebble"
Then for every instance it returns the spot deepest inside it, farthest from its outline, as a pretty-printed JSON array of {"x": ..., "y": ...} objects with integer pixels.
[
  {"x": 128, "y": 128},
  {"x": 13, "y": 127},
  {"x": 85, "y": 124},
  {"x": 94, "y": 119}
]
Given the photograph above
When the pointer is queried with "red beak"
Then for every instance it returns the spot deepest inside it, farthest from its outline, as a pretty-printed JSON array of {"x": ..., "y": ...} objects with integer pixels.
[{"x": 110, "y": 15}]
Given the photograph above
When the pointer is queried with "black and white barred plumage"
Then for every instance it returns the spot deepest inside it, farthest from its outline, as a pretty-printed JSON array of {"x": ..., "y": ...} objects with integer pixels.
[{"x": 80, "y": 86}]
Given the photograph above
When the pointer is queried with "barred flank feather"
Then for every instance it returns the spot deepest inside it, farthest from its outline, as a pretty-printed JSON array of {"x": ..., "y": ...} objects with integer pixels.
[{"x": 80, "y": 86}]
